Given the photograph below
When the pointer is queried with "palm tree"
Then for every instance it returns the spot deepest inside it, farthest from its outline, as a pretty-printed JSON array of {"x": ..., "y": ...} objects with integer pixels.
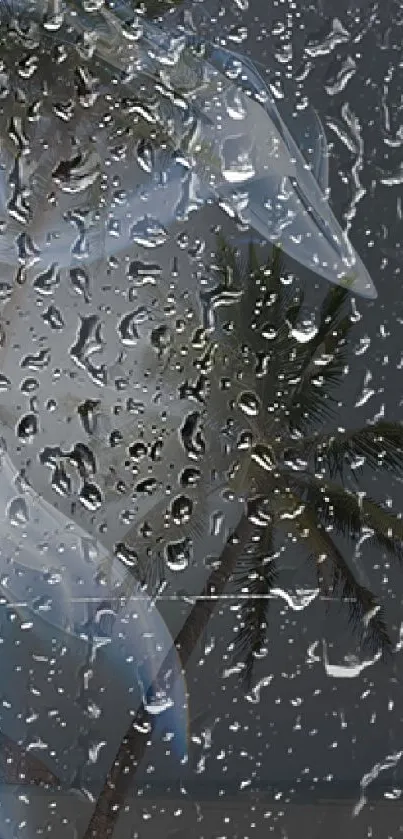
[{"x": 294, "y": 476}]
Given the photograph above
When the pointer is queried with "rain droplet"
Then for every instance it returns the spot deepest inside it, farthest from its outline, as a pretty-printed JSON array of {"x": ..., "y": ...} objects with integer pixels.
[
  {"x": 161, "y": 338},
  {"x": 126, "y": 555},
  {"x": 192, "y": 437},
  {"x": 91, "y": 497},
  {"x": 144, "y": 273},
  {"x": 83, "y": 459},
  {"x": 61, "y": 482},
  {"x": 263, "y": 456},
  {"x": 27, "y": 428},
  {"x": 88, "y": 415},
  {"x": 145, "y": 155},
  {"x": 79, "y": 173},
  {"x": 38, "y": 361},
  {"x": 258, "y": 511},
  {"x": 81, "y": 283},
  {"x": 127, "y": 329},
  {"x": 149, "y": 233},
  {"x": 158, "y": 703},
  {"x": 5, "y": 383},
  {"x": 181, "y": 509},
  {"x": 137, "y": 450},
  {"x": 6, "y": 290},
  {"x": 217, "y": 520},
  {"x": 17, "y": 511},
  {"x": 53, "y": 318},
  {"x": 179, "y": 554},
  {"x": 190, "y": 477},
  {"x": 305, "y": 333},
  {"x": 249, "y": 404},
  {"x": 29, "y": 386},
  {"x": 46, "y": 282}
]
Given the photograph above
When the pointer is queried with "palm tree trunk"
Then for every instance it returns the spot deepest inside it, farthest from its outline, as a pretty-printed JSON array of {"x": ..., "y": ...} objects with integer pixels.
[{"x": 134, "y": 744}]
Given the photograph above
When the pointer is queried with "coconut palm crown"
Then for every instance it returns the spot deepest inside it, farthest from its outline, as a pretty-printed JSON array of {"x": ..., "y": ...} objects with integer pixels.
[{"x": 299, "y": 469}]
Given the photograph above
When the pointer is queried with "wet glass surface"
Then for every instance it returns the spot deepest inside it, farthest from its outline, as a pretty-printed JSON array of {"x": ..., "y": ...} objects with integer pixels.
[{"x": 200, "y": 419}]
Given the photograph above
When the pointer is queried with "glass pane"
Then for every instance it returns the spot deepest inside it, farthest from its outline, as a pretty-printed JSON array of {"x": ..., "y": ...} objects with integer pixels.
[{"x": 200, "y": 419}]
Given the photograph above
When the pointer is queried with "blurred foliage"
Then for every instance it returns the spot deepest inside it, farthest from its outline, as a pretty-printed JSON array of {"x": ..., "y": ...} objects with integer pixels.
[{"x": 304, "y": 483}]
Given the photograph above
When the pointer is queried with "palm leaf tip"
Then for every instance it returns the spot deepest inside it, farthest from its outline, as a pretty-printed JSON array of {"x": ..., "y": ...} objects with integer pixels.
[
  {"x": 378, "y": 446},
  {"x": 336, "y": 578},
  {"x": 366, "y": 616},
  {"x": 255, "y": 577}
]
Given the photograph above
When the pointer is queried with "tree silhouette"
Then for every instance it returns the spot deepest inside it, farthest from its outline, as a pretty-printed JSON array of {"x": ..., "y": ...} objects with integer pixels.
[{"x": 294, "y": 476}]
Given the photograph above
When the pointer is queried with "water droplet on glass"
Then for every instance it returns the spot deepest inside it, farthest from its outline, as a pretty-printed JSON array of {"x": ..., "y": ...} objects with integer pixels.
[
  {"x": 127, "y": 329},
  {"x": 179, "y": 554},
  {"x": 29, "y": 385},
  {"x": 81, "y": 282},
  {"x": 53, "y": 318},
  {"x": 158, "y": 703},
  {"x": 144, "y": 273},
  {"x": 46, "y": 282},
  {"x": 5, "y": 383},
  {"x": 137, "y": 450},
  {"x": 259, "y": 511},
  {"x": 161, "y": 338},
  {"x": 149, "y": 233},
  {"x": 61, "y": 481},
  {"x": 249, "y": 404},
  {"x": 190, "y": 477},
  {"x": 145, "y": 155},
  {"x": 192, "y": 437},
  {"x": 28, "y": 427},
  {"x": 181, "y": 509},
  {"x": 305, "y": 333},
  {"x": 126, "y": 555},
  {"x": 79, "y": 173},
  {"x": 91, "y": 497},
  {"x": 17, "y": 511},
  {"x": 37, "y": 361}
]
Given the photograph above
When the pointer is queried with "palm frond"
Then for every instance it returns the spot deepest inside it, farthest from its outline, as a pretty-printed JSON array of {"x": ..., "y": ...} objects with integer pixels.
[
  {"x": 277, "y": 296},
  {"x": 255, "y": 575},
  {"x": 332, "y": 309},
  {"x": 387, "y": 528},
  {"x": 347, "y": 514},
  {"x": 318, "y": 366},
  {"x": 378, "y": 446},
  {"x": 312, "y": 404},
  {"x": 319, "y": 369},
  {"x": 226, "y": 256},
  {"x": 253, "y": 265},
  {"x": 294, "y": 308},
  {"x": 337, "y": 579}
]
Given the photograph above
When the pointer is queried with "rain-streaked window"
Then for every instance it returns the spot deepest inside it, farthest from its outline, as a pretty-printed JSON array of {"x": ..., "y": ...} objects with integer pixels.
[{"x": 201, "y": 444}]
